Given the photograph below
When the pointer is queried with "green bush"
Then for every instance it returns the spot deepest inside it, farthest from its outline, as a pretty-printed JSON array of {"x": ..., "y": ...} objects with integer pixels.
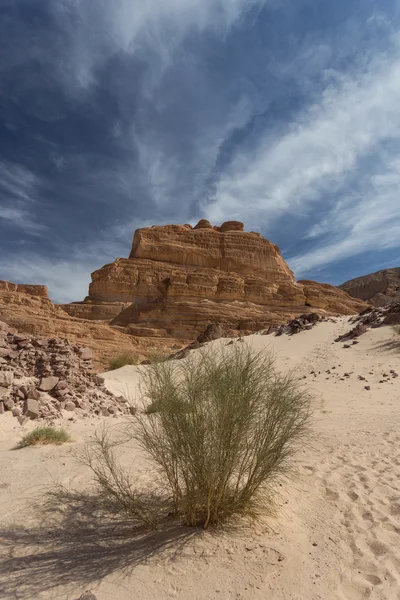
[
  {"x": 45, "y": 435},
  {"x": 222, "y": 428},
  {"x": 122, "y": 360}
]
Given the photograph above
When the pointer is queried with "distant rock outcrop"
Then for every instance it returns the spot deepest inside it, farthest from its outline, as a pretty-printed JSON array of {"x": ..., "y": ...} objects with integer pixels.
[
  {"x": 178, "y": 279},
  {"x": 379, "y": 289}
]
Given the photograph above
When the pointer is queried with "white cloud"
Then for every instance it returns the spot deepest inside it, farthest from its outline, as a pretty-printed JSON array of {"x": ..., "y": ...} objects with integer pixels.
[
  {"x": 369, "y": 220},
  {"x": 18, "y": 188},
  {"x": 319, "y": 150},
  {"x": 153, "y": 27},
  {"x": 67, "y": 280}
]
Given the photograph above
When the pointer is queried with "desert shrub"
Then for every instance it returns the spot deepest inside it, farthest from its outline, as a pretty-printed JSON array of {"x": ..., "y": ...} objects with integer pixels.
[
  {"x": 121, "y": 361},
  {"x": 45, "y": 435},
  {"x": 222, "y": 428}
]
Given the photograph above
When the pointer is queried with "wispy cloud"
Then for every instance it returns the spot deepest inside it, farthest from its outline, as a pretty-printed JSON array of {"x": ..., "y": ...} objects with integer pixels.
[
  {"x": 353, "y": 116},
  {"x": 67, "y": 280},
  {"x": 129, "y": 113},
  {"x": 18, "y": 197},
  {"x": 337, "y": 167},
  {"x": 95, "y": 31},
  {"x": 362, "y": 221}
]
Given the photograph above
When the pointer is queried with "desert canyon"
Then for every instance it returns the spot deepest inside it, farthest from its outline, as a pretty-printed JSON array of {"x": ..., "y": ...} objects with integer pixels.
[
  {"x": 184, "y": 289},
  {"x": 177, "y": 280}
]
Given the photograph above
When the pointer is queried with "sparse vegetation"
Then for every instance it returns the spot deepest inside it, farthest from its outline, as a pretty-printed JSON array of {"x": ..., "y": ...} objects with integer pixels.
[
  {"x": 222, "y": 430},
  {"x": 43, "y": 436},
  {"x": 122, "y": 360}
]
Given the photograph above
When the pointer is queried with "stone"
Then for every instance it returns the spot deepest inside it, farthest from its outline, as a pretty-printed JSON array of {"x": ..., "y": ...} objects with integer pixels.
[
  {"x": 213, "y": 332},
  {"x": 62, "y": 385},
  {"x": 48, "y": 383},
  {"x": 6, "y": 378},
  {"x": 31, "y": 408},
  {"x": 2, "y": 408},
  {"x": 70, "y": 406},
  {"x": 86, "y": 353},
  {"x": 4, "y": 391},
  {"x": 392, "y": 318},
  {"x": 33, "y": 394},
  {"x": 87, "y": 596}
]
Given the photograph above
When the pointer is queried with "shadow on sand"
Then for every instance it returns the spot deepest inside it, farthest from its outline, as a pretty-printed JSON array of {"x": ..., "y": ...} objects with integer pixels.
[
  {"x": 77, "y": 545},
  {"x": 390, "y": 346}
]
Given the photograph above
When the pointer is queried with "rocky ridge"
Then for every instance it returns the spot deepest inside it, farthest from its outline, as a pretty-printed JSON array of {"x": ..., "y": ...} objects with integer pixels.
[
  {"x": 379, "y": 289},
  {"x": 178, "y": 279},
  {"x": 48, "y": 378}
]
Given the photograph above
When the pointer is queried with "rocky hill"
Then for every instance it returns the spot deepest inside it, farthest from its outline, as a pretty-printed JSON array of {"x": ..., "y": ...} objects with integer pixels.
[
  {"x": 178, "y": 279},
  {"x": 379, "y": 289}
]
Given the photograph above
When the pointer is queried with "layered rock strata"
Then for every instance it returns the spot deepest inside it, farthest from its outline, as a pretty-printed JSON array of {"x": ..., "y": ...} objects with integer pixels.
[
  {"x": 37, "y": 315},
  {"x": 178, "y": 279}
]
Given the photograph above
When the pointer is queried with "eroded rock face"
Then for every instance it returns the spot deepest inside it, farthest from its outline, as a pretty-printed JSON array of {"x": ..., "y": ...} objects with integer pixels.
[
  {"x": 32, "y": 290},
  {"x": 379, "y": 289},
  {"x": 330, "y": 298},
  {"x": 37, "y": 315},
  {"x": 178, "y": 279}
]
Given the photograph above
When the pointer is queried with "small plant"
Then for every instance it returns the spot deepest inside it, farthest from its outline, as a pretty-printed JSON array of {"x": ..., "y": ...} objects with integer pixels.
[
  {"x": 45, "y": 435},
  {"x": 122, "y": 360}
]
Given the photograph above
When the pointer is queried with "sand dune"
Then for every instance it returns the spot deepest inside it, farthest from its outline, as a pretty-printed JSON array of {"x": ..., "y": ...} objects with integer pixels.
[{"x": 337, "y": 534}]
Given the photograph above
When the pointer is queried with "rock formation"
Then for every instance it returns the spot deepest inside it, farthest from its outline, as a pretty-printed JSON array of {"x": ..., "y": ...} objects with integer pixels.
[
  {"x": 29, "y": 310},
  {"x": 379, "y": 289},
  {"x": 178, "y": 279}
]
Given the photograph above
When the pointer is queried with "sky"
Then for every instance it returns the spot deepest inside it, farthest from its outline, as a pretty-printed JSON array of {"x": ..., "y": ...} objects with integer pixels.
[{"x": 284, "y": 114}]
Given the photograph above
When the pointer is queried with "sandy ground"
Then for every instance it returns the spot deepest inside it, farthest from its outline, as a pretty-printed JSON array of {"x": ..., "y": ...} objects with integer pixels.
[{"x": 337, "y": 534}]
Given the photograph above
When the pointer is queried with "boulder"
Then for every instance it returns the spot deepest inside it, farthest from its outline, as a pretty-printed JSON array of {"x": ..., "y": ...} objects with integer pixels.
[
  {"x": 392, "y": 318},
  {"x": 213, "y": 332},
  {"x": 87, "y": 596},
  {"x": 86, "y": 353},
  {"x": 48, "y": 383},
  {"x": 32, "y": 409},
  {"x": 6, "y": 378}
]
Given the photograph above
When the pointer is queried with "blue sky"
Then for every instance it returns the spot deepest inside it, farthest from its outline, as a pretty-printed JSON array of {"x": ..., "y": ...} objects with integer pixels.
[{"x": 116, "y": 115}]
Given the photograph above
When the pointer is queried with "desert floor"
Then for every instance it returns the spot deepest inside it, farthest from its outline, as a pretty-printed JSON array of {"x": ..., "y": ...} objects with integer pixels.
[{"x": 337, "y": 534}]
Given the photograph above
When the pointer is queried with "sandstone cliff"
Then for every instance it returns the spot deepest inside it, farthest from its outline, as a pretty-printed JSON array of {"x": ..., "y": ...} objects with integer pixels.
[
  {"x": 379, "y": 289},
  {"x": 178, "y": 279},
  {"x": 29, "y": 310}
]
